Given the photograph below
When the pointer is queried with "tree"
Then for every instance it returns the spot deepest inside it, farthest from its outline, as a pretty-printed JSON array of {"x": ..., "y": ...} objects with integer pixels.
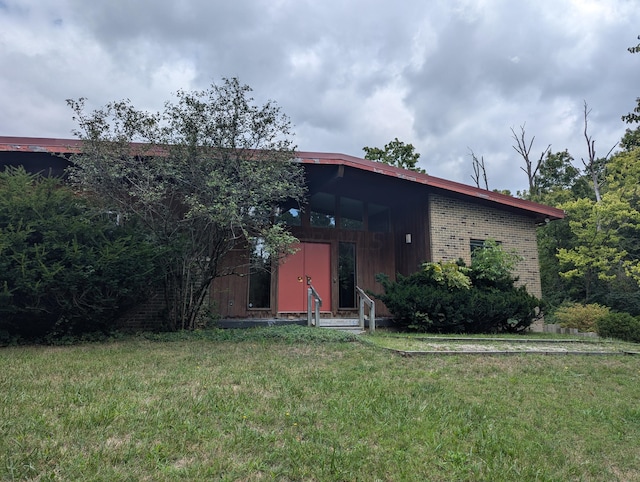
[
  {"x": 478, "y": 168},
  {"x": 202, "y": 176},
  {"x": 395, "y": 153},
  {"x": 65, "y": 267},
  {"x": 594, "y": 166},
  {"x": 558, "y": 180},
  {"x": 531, "y": 166},
  {"x": 631, "y": 138},
  {"x": 607, "y": 232},
  {"x": 636, "y": 49},
  {"x": 556, "y": 172}
]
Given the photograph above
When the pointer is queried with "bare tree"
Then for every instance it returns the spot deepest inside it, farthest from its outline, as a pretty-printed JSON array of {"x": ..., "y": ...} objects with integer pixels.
[
  {"x": 478, "y": 168},
  {"x": 523, "y": 148},
  {"x": 594, "y": 166}
]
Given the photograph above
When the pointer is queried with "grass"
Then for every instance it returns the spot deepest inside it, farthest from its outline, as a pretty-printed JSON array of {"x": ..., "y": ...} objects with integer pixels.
[{"x": 295, "y": 403}]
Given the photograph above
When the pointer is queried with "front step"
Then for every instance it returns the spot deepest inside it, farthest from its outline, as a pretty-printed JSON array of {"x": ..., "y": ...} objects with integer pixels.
[{"x": 343, "y": 324}]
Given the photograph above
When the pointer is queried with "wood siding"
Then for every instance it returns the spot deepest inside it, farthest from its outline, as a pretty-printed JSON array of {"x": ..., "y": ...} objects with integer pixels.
[{"x": 413, "y": 222}]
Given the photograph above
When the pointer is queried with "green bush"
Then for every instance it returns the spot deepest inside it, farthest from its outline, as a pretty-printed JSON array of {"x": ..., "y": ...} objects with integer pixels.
[
  {"x": 452, "y": 298},
  {"x": 65, "y": 267},
  {"x": 582, "y": 317},
  {"x": 437, "y": 299},
  {"x": 492, "y": 266},
  {"x": 619, "y": 325}
]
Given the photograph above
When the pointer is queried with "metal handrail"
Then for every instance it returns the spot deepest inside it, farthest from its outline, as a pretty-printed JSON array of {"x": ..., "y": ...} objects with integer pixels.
[
  {"x": 364, "y": 299},
  {"x": 312, "y": 295}
]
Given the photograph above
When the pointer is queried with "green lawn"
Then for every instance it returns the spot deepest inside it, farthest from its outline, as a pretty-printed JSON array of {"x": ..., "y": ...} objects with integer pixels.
[{"x": 285, "y": 404}]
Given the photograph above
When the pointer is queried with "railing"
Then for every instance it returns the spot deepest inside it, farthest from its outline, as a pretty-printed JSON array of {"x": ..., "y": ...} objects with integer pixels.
[
  {"x": 365, "y": 300},
  {"x": 312, "y": 295}
]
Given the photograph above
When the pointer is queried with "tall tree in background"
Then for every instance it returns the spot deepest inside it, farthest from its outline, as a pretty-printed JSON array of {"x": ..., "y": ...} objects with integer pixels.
[
  {"x": 202, "y": 176},
  {"x": 594, "y": 166},
  {"x": 478, "y": 169},
  {"x": 531, "y": 165},
  {"x": 607, "y": 232},
  {"x": 556, "y": 174},
  {"x": 395, "y": 153},
  {"x": 631, "y": 138}
]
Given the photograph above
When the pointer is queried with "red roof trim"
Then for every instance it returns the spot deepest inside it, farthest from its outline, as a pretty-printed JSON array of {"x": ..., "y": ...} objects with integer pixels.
[{"x": 71, "y": 146}]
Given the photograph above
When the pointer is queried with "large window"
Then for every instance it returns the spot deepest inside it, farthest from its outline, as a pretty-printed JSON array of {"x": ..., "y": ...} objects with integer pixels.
[
  {"x": 292, "y": 217},
  {"x": 323, "y": 210},
  {"x": 347, "y": 275},
  {"x": 351, "y": 213},
  {"x": 259, "y": 275},
  {"x": 378, "y": 218}
]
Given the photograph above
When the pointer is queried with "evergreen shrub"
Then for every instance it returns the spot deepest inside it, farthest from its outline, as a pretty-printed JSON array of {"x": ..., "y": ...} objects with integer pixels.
[
  {"x": 65, "y": 267},
  {"x": 619, "y": 325},
  {"x": 452, "y": 298}
]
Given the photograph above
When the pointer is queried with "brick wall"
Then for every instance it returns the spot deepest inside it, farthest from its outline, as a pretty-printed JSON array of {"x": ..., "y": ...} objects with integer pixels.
[
  {"x": 146, "y": 316},
  {"x": 454, "y": 223}
]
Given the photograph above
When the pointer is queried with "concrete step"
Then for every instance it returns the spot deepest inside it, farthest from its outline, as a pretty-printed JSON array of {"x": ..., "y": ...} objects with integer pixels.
[
  {"x": 351, "y": 325},
  {"x": 339, "y": 322}
]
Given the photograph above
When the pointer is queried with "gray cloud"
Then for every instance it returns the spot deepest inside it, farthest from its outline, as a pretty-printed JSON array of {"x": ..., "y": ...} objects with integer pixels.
[{"x": 445, "y": 75}]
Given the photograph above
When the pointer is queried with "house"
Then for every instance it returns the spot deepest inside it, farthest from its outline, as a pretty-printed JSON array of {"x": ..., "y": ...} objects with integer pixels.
[{"x": 362, "y": 218}]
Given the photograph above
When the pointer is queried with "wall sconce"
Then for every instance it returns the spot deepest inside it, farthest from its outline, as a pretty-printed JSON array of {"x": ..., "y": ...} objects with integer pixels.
[{"x": 407, "y": 238}]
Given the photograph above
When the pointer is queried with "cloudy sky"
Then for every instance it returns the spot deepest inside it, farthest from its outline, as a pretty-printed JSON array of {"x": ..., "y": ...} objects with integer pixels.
[{"x": 444, "y": 75}]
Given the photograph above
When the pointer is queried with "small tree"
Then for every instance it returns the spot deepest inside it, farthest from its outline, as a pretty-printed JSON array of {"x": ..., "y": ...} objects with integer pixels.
[
  {"x": 395, "y": 153},
  {"x": 203, "y": 176}
]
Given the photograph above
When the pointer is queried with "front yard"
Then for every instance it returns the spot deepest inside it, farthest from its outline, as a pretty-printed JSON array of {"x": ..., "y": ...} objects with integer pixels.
[{"x": 299, "y": 404}]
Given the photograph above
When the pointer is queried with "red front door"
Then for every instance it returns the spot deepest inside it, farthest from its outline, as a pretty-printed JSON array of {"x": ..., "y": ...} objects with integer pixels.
[{"x": 312, "y": 261}]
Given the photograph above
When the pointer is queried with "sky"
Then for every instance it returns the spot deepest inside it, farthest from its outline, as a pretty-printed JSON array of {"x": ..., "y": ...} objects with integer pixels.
[{"x": 447, "y": 76}]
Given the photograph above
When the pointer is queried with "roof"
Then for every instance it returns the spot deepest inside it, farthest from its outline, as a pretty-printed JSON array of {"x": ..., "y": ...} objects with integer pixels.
[
  {"x": 431, "y": 181},
  {"x": 72, "y": 146}
]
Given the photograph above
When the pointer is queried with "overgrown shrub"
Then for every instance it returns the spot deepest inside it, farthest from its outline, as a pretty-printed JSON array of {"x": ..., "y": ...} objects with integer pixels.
[
  {"x": 442, "y": 298},
  {"x": 492, "y": 266},
  {"x": 65, "y": 268},
  {"x": 582, "y": 317},
  {"x": 619, "y": 325}
]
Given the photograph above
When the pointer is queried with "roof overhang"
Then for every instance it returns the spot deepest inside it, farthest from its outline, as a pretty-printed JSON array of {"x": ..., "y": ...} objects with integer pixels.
[{"x": 539, "y": 211}]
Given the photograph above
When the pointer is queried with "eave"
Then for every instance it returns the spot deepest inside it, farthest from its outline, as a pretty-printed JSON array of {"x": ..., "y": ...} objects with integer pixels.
[{"x": 539, "y": 211}]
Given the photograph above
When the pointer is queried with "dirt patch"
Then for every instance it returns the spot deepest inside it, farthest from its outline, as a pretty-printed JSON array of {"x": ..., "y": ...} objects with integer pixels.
[{"x": 411, "y": 346}]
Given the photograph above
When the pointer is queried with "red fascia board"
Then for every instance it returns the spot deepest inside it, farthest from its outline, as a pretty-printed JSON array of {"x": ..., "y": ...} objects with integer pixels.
[
  {"x": 74, "y": 146},
  {"x": 40, "y": 144}
]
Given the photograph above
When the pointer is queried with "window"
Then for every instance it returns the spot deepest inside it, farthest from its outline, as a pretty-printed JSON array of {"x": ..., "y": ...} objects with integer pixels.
[
  {"x": 347, "y": 275},
  {"x": 476, "y": 244},
  {"x": 351, "y": 214},
  {"x": 259, "y": 275},
  {"x": 378, "y": 218},
  {"x": 323, "y": 210},
  {"x": 292, "y": 217}
]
